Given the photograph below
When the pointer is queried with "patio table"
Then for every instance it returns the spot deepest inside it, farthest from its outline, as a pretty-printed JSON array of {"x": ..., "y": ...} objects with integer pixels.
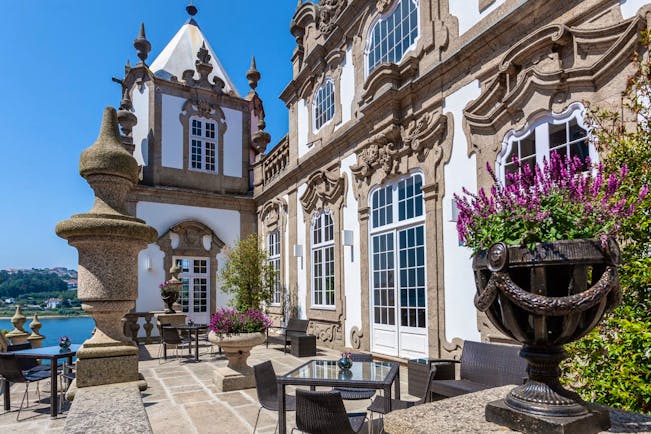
[
  {"x": 53, "y": 354},
  {"x": 193, "y": 328},
  {"x": 365, "y": 375}
]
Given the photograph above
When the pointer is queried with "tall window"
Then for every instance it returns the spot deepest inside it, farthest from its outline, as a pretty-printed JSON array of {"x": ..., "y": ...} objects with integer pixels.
[
  {"x": 564, "y": 133},
  {"x": 324, "y": 104},
  {"x": 392, "y": 35},
  {"x": 323, "y": 261},
  {"x": 202, "y": 145},
  {"x": 273, "y": 247},
  {"x": 398, "y": 253},
  {"x": 195, "y": 278}
]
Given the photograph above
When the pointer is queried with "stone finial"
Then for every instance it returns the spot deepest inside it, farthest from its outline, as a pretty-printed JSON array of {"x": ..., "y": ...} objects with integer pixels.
[
  {"x": 203, "y": 65},
  {"x": 108, "y": 241},
  {"x": 191, "y": 9},
  {"x": 253, "y": 75},
  {"x": 142, "y": 45},
  {"x": 18, "y": 335},
  {"x": 126, "y": 118},
  {"x": 127, "y": 67},
  {"x": 36, "y": 339}
]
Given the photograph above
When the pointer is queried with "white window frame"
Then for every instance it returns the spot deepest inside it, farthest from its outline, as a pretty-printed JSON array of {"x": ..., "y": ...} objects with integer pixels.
[
  {"x": 388, "y": 15},
  {"x": 322, "y": 247},
  {"x": 206, "y": 142},
  {"x": 540, "y": 128},
  {"x": 395, "y": 227},
  {"x": 273, "y": 247},
  {"x": 324, "y": 105},
  {"x": 189, "y": 277}
]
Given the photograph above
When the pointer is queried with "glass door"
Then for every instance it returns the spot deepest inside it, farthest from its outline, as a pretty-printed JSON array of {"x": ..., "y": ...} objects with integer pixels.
[{"x": 195, "y": 295}]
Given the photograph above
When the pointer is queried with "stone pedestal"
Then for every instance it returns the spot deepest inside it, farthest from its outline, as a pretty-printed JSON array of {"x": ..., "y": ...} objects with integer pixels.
[
  {"x": 170, "y": 318},
  {"x": 36, "y": 339},
  {"x": 237, "y": 348},
  {"x": 108, "y": 241},
  {"x": 227, "y": 379}
]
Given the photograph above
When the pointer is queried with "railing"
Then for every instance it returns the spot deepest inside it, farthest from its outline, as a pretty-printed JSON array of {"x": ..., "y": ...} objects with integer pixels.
[
  {"x": 138, "y": 333},
  {"x": 276, "y": 161}
]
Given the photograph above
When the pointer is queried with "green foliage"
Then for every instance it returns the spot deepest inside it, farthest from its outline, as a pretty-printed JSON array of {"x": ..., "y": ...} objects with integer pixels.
[
  {"x": 33, "y": 281},
  {"x": 248, "y": 275},
  {"x": 612, "y": 364}
]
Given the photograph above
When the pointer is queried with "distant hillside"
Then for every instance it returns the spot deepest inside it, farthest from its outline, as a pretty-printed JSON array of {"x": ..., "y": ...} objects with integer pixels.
[{"x": 16, "y": 282}]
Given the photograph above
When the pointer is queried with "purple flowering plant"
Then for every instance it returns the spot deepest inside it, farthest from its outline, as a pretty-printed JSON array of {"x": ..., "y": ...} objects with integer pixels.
[
  {"x": 169, "y": 287},
  {"x": 230, "y": 321},
  {"x": 558, "y": 201}
]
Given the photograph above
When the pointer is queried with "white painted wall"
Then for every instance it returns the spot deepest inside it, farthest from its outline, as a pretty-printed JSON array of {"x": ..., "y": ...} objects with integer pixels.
[
  {"x": 467, "y": 12},
  {"x": 347, "y": 87},
  {"x": 630, "y": 7},
  {"x": 224, "y": 223},
  {"x": 303, "y": 128},
  {"x": 172, "y": 132},
  {"x": 352, "y": 264},
  {"x": 301, "y": 262},
  {"x": 140, "y": 132},
  {"x": 233, "y": 143},
  {"x": 458, "y": 280}
]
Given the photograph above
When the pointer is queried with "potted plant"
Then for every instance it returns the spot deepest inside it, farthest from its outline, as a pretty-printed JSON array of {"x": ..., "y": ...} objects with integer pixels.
[
  {"x": 236, "y": 333},
  {"x": 247, "y": 274},
  {"x": 545, "y": 264},
  {"x": 169, "y": 292}
]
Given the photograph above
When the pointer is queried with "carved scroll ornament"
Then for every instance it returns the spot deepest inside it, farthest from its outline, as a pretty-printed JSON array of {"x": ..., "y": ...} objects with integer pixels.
[
  {"x": 329, "y": 11},
  {"x": 323, "y": 188}
]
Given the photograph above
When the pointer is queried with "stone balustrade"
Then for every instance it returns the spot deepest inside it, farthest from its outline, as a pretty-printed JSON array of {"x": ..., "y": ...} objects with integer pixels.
[
  {"x": 138, "y": 333},
  {"x": 18, "y": 335}
]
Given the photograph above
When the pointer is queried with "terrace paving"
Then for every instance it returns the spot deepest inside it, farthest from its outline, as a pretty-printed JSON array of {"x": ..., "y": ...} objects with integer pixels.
[{"x": 181, "y": 397}]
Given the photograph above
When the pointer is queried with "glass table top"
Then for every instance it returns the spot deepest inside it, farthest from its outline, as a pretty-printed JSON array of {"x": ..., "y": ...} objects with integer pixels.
[
  {"x": 328, "y": 370},
  {"x": 48, "y": 351}
]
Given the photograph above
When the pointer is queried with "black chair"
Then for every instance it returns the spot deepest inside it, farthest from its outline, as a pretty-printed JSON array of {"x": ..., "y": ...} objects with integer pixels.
[
  {"x": 29, "y": 365},
  {"x": 11, "y": 371},
  {"x": 324, "y": 413},
  {"x": 379, "y": 403},
  {"x": 170, "y": 336},
  {"x": 294, "y": 327},
  {"x": 267, "y": 390},
  {"x": 351, "y": 393}
]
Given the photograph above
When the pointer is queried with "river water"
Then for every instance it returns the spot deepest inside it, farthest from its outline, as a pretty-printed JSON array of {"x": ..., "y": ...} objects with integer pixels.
[{"x": 78, "y": 329}]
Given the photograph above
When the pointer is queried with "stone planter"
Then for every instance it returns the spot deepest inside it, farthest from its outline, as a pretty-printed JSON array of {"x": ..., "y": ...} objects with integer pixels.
[
  {"x": 237, "y": 348},
  {"x": 544, "y": 299}
]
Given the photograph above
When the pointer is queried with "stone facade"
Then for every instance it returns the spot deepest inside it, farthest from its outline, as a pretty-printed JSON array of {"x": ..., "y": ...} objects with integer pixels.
[{"x": 467, "y": 81}]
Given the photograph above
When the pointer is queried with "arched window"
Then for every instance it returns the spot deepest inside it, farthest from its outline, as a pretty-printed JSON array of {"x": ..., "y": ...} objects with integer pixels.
[
  {"x": 393, "y": 34},
  {"x": 273, "y": 247},
  {"x": 323, "y": 261},
  {"x": 397, "y": 257},
  {"x": 202, "y": 145},
  {"x": 565, "y": 133},
  {"x": 324, "y": 104}
]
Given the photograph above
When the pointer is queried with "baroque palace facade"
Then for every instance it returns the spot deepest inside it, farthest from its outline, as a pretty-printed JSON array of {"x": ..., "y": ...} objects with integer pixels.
[{"x": 394, "y": 106}]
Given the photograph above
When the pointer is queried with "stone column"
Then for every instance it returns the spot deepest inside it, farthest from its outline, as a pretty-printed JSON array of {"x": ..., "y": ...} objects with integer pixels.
[
  {"x": 36, "y": 338},
  {"x": 18, "y": 335},
  {"x": 108, "y": 241}
]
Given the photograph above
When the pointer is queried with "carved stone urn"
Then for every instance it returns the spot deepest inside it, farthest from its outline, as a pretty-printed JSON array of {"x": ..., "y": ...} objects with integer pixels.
[
  {"x": 544, "y": 299},
  {"x": 237, "y": 349}
]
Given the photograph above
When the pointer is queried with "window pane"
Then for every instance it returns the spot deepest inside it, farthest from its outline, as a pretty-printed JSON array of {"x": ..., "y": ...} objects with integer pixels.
[
  {"x": 557, "y": 135},
  {"x": 392, "y": 35}
]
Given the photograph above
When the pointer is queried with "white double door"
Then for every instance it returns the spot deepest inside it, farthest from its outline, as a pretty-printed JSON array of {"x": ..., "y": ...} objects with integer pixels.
[
  {"x": 398, "y": 292},
  {"x": 195, "y": 295}
]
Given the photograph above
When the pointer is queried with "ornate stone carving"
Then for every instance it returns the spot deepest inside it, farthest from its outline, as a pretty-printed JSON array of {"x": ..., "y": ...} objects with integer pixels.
[
  {"x": 191, "y": 235},
  {"x": 326, "y": 332},
  {"x": 329, "y": 11},
  {"x": 356, "y": 336},
  {"x": 549, "y": 68},
  {"x": 383, "y": 5},
  {"x": 323, "y": 188},
  {"x": 273, "y": 214}
]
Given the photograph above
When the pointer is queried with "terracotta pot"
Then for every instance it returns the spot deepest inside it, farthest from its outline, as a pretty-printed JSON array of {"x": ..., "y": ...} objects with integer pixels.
[
  {"x": 544, "y": 299},
  {"x": 237, "y": 347}
]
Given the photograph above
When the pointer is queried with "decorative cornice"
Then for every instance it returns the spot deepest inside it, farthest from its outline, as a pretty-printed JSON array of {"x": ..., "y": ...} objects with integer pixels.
[
  {"x": 323, "y": 188},
  {"x": 191, "y": 235},
  {"x": 273, "y": 213},
  {"x": 551, "y": 62}
]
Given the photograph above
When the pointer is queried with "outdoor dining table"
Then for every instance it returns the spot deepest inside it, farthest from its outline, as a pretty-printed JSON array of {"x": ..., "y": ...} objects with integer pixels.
[
  {"x": 194, "y": 328},
  {"x": 365, "y": 375},
  {"x": 53, "y": 354}
]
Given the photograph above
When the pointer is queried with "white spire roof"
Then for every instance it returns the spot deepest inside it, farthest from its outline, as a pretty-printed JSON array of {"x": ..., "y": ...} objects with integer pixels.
[{"x": 181, "y": 53}]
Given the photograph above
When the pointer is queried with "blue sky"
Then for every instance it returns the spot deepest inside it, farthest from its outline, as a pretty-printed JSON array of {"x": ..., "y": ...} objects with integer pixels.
[{"x": 58, "y": 58}]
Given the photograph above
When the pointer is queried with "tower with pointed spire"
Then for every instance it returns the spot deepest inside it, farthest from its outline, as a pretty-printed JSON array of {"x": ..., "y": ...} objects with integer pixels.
[{"x": 195, "y": 140}]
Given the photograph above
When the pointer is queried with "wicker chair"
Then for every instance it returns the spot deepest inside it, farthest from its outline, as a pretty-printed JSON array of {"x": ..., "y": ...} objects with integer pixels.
[
  {"x": 324, "y": 413},
  {"x": 27, "y": 365},
  {"x": 11, "y": 371},
  {"x": 170, "y": 336},
  {"x": 379, "y": 403},
  {"x": 267, "y": 390},
  {"x": 351, "y": 393}
]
